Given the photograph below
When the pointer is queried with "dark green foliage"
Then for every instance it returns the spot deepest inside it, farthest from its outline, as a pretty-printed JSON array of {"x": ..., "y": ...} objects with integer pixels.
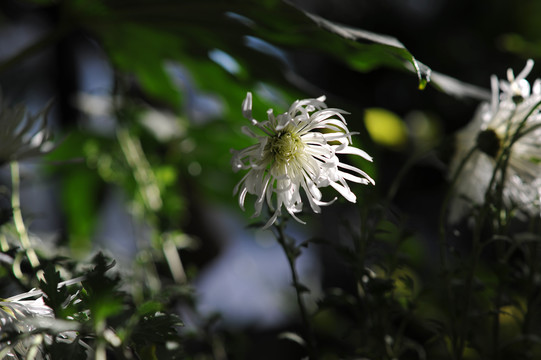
[
  {"x": 393, "y": 284},
  {"x": 101, "y": 291},
  {"x": 56, "y": 296}
]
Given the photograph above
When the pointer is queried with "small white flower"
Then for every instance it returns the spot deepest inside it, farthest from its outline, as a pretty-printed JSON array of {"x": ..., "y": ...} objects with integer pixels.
[
  {"x": 298, "y": 149},
  {"x": 512, "y": 119},
  {"x": 22, "y": 135}
]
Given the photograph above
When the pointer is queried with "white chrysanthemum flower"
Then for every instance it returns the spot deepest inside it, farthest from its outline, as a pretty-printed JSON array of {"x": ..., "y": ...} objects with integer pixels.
[
  {"x": 16, "y": 317},
  {"x": 22, "y": 135},
  {"x": 26, "y": 325},
  {"x": 298, "y": 149},
  {"x": 512, "y": 119}
]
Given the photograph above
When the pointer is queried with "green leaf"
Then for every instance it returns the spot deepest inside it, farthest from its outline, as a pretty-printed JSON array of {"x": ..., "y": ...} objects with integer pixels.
[
  {"x": 79, "y": 189},
  {"x": 102, "y": 297},
  {"x": 143, "y": 51},
  {"x": 67, "y": 351},
  {"x": 387, "y": 50},
  {"x": 292, "y": 28},
  {"x": 55, "y": 296},
  {"x": 157, "y": 328},
  {"x": 149, "y": 307}
]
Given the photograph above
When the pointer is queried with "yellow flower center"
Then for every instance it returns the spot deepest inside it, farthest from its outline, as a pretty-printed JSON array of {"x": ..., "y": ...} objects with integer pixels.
[{"x": 284, "y": 146}]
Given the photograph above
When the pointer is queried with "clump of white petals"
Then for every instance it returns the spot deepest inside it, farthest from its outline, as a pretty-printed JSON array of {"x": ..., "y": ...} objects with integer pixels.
[
  {"x": 17, "y": 317},
  {"x": 22, "y": 135},
  {"x": 511, "y": 120},
  {"x": 27, "y": 325},
  {"x": 297, "y": 149}
]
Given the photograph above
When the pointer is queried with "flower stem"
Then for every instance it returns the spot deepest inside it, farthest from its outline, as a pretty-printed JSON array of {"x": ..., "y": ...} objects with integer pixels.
[
  {"x": 18, "y": 217},
  {"x": 443, "y": 248},
  {"x": 532, "y": 295},
  {"x": 468, "y": 293},
  {"x": 445, "y": 205},
  {"x": 291, "y": 254},
  {"x": 494, "y": 197}
]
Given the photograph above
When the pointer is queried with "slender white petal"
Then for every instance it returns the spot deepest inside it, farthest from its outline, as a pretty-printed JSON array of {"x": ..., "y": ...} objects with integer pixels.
[
  {"x": 247, "y": 106},
  {"x": 344, "y": 191},
  {"x": 355, "y": 151}
]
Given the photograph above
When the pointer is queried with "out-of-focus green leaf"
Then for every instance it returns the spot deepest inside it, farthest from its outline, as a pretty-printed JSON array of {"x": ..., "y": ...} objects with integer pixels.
[
  {"x": 80, "y": 203},
  {"x": 79, "y": 191},
  {"x": 139, "y": 35},
  {"x": 517, "y": 44},
  {"x": 143, "y": 51},
  {"x": 156, "y": 328},
  {"x": 388, "y": 44},
  {"x": 150, "y": 307}
]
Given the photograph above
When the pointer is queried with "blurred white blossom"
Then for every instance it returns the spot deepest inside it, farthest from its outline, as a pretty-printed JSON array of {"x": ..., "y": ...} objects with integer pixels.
[
  {"x": 26, "y": 325},
  {"x": 16, "y": 318},
  {"x": 511, "y": 121},
  {"x": 297, "y": 149},
  {"x": 22, "y": 135}
]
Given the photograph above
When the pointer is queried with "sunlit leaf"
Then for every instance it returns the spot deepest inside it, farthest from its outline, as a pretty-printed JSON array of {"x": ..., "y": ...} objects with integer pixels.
[
  {"x": 362, "y": 50},
  {"x": 387, "y": 50}
]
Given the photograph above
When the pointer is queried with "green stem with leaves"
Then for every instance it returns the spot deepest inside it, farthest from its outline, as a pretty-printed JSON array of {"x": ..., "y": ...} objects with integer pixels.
[
  {"x": 443, "y": 246},
  {"x": 493, "y": 204},
  {"x": 292, "y": 252},
  {"x": 477, "y": 247}
]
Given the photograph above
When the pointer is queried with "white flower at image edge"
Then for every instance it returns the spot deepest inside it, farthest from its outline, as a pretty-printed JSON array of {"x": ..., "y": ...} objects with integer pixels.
[
  {"x": 297, "y": 149},
  {"x": 28, "y": 326},
  {"x": 513, "y": 111},
  {"x": 22, "y": 135},
  {"x": 18, "y": 317}
]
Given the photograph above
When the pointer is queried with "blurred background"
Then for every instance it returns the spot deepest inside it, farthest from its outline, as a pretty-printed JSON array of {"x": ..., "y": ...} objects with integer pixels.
[{"x": 147, "y": 105}]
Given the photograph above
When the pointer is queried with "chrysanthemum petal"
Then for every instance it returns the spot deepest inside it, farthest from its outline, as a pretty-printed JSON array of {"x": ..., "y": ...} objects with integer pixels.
[
  {"x": 247, "y": 106},
  {"x": 355, "y": 151}
]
